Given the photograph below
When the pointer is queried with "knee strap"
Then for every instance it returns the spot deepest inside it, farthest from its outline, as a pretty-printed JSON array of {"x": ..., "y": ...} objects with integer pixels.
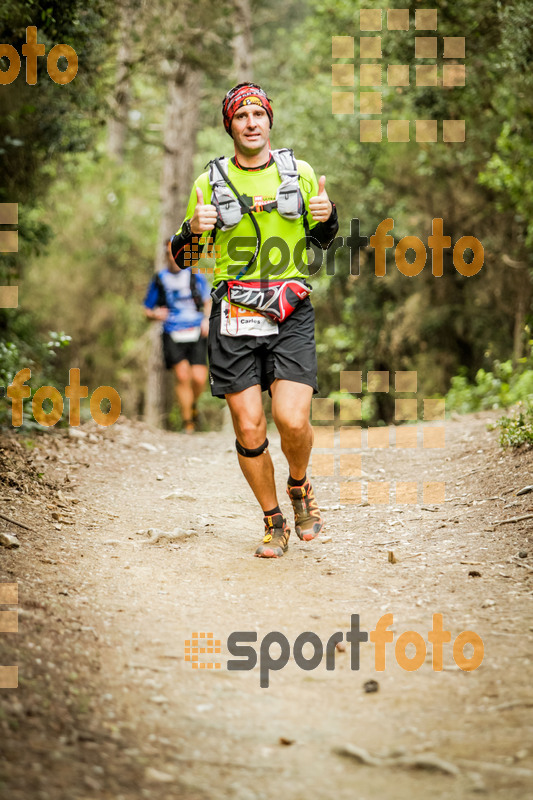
[{"x": 247, "y": 453}]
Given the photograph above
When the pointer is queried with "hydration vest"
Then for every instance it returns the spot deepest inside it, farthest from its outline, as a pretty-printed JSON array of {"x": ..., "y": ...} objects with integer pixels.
[{"x": 289, "y": 200}]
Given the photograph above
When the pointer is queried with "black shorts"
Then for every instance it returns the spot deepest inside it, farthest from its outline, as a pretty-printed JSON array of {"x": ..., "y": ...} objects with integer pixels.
[
  {"x": 193, "y": 352},
  {"x": 237, "y": 362}
]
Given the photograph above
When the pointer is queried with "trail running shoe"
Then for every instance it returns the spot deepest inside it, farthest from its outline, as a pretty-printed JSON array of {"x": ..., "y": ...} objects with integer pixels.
[
  {"x": 308, "y": 520},
  {"x": 276, "y": 539}
]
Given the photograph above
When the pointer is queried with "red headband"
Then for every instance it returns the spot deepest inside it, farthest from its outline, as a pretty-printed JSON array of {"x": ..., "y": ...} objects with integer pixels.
[{"x": 242, "y": 95}]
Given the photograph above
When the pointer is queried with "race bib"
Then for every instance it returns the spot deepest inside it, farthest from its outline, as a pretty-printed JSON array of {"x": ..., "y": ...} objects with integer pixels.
[
  {"x": 185, "y": 335},
  {"x": 236, "y": 321}
]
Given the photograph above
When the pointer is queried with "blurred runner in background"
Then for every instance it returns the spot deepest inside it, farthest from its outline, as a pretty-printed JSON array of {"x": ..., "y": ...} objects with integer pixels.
[{"x": 180, "y": 300}]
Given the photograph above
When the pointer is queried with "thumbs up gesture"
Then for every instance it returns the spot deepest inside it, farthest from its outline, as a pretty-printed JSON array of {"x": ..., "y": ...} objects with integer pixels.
[
  {"x": 205, "y": 215},
  {"x": 320, "y": 205}
]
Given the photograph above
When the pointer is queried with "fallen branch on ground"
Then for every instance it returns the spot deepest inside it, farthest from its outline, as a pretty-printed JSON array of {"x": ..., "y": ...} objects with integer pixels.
[
  {"x": 427, "y": 761},
  {"x": 431, "y": 762},
  {"x": 14, "y": 522},
  {"x": 521, "y": 564},
  {"x": 513, "y": 519},
  {"x": 512, "y": 704},
  {"x": 517, "y": 772}
]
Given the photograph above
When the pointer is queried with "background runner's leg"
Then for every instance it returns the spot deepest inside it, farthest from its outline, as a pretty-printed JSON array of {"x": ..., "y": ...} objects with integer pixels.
[
  {"x": 184, "y": 390},
  {"x": 291, "y": 403},
  {"x": 199, "y": 378},
  {"x": 249, "y": 423}
]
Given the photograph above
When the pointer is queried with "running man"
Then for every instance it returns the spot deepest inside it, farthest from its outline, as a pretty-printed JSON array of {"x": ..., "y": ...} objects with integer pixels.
[
  {"x": 181, "y": 301},
  {"x": 260, "y": 202}
]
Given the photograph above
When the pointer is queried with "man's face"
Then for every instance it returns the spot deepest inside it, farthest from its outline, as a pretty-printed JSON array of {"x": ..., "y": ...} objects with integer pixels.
[
  {"x": 171, "y": 264},
  {"x": 250, "y": 128}
]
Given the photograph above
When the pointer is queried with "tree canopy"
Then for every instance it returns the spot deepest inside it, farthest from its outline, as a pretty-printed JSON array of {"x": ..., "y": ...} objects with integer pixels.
[{"x": 89, "y": 224}]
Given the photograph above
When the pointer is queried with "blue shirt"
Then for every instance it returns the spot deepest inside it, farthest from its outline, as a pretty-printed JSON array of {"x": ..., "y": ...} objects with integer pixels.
[{"x": 173, "y": 290}]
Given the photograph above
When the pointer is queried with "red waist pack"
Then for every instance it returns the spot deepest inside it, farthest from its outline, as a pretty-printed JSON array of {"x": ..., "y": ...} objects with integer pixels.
[{"x": 274, "y": 299}]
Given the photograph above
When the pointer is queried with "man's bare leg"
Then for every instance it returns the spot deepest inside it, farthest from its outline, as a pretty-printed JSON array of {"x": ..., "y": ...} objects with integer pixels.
[
  {"x": 250, "y": 427},
  {"x": 291, "y": 403},
  {"x": 199, "y": 378},
  {"x": 198, "y": 381},
  {"x": 184, "y": 391}
]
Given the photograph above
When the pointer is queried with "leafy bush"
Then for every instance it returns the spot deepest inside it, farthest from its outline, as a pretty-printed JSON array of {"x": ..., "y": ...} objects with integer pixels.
[
  {"x": 517, "y": 429},
  {"x": 18, "y": 353},
  {"x": 500, "y": 387},
  {"x": 369, "y": 410}
]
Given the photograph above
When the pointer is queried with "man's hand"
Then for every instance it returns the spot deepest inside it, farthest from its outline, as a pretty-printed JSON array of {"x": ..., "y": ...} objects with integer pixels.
[
  {"x": 204, "y": 328},
  {"x": 160, "y": 313},
  {"x": 320, "y": 206},
  {"x": 204, "y": 217}
]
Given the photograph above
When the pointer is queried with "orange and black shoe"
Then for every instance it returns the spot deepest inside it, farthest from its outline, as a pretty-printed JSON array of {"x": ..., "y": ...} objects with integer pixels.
[
  {"x": 308, "y": 520},
  {"x": 276, "y": 539}
]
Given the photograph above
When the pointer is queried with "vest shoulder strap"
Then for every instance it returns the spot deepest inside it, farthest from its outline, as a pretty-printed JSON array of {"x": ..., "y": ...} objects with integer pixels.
[
  {"x": 215, "y": 177},
  {"x": 285, "y": 162},
  {"x": 289, "y": 199}
]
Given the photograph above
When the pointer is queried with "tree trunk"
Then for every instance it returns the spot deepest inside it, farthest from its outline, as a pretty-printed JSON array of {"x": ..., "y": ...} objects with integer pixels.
[
  {"x": 176, "y": 179},
  {"x": 120, "y": 101},
  {"x": 242, "y": 41},
  {"x": 522, "y": 305},
  {"x": 179, "y": 142},
  {"x": 155, "y": 380}
]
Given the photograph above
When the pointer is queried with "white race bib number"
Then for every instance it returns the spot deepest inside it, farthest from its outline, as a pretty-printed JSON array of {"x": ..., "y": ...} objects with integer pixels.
[
  {"x": 237, "y": 321},
  {"x": 186, "y": 335}
]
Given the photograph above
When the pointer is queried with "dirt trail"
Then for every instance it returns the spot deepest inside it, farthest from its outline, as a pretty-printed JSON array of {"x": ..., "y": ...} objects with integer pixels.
[{"x": 107, "y": 705}]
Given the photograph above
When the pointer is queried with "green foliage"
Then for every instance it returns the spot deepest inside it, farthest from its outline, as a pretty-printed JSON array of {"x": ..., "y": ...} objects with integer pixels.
[
  {"x": 16, "y": 352},
  {"x": 39, "y": 125},
  {"x": 90, "y": 279},
  {"x": 369, "y": 408},
  {"x": 517, "y": 430},
  {"x": 431, "y": 325},
  {"x": 508, "y": 171},
  {"x": 97, "y": 271},
  {"x": 40, "y": 357},
  {"x": 41, "y": 122},
  {"x": 500, "y": 387}
]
